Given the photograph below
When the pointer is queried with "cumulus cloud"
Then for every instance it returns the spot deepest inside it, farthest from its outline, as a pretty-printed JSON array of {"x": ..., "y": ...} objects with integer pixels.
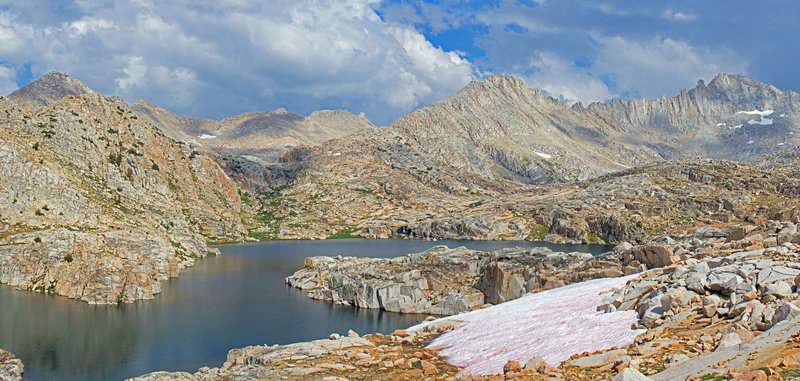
[
  {"x": 7, "y": 80},
  {"x": 674, "y": 15},
  {"x": 657, "y": 66},
  {"x": 562, "y": 79},
  {"x": 218, "y": 59}
]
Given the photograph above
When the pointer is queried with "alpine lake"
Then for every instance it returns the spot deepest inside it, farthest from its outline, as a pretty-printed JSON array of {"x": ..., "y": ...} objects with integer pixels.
[{"x": 232, "y": 300}]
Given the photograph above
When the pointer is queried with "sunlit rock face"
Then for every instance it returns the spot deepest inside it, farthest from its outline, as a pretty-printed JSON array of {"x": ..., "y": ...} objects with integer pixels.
[{"x": 553, "y": 324}]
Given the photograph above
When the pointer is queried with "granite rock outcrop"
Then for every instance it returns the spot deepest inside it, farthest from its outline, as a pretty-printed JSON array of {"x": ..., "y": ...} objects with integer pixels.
[
  {"x": 11, "y": 368},
  {"x": 98, "y": 205},
  {"x": 444, "y": 281}
]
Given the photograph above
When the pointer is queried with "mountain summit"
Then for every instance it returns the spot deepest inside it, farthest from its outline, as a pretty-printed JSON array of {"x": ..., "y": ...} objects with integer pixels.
[{"x": 48, "y": 89}]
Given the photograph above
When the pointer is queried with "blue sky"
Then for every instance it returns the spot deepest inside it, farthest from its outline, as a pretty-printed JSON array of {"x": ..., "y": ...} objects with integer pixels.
[{"x": 387, "y": 58}]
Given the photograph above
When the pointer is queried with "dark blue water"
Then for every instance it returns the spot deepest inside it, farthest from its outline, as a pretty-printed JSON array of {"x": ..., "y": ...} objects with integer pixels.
[{"x": 229, "y": 301}]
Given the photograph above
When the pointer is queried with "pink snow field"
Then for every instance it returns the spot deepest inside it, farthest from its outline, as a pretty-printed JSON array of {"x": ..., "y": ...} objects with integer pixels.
[{"x": 553, "y": 324}]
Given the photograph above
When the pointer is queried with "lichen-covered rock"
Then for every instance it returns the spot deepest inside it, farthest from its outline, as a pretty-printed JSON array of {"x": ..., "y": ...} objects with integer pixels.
[
  {"x": 446, "y": 281},
  {"x": 11, "y": 368},
  {"x": 96, "y": 204}
]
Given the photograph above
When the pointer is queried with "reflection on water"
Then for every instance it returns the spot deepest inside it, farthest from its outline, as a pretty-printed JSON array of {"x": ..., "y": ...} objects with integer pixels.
[{"x": 225, "y": 302}]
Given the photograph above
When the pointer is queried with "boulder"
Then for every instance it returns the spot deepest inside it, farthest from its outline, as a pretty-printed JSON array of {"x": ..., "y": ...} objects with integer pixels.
[
  {"x": 537, "y": 364},
  {"x": 500, "y": 283},
  {"x": 740, "y": 232},
  {"x": 785, "y": 311},
  {"x": 597, "y": 360},
  {"x": 512, "y": 367},
  {"x": 653, "y": 256},
  {"x": 775, "y": 274},
  {"x": 710, "y": 305},
  {"x": 780, "y": 289},
  {"x": 11, "y": 368},
  {"x": 696, "y": 282},
  {"x": 630, "y": 374},
  {"x": 723, "y": 282}
]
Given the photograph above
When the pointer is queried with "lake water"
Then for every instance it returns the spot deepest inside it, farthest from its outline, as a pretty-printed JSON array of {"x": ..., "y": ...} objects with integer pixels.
[{"x": 229, "y": 301}]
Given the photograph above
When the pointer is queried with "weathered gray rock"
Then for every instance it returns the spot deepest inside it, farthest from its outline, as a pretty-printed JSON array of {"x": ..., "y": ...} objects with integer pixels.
[
  {"x": 499, "y": 283},
  {"x": 630, "y": 374},
  {"x": 652, "y": 256},
  {"x": 11, "y": 368},
  {"x": 780, "y": 289},
  {"x": 597, "y": 360},
  {"x": 736, "y": 357},
  {"x": 786, "y": 311},
  {"x": 537, "y": 364},
  {"x": 710, "y": 305},
  {"x": 723, "y": 282},
  {"x": 777, "y": 273},
  {"x": 166, "y": 376},
  {"x": 445, "y": 281}
]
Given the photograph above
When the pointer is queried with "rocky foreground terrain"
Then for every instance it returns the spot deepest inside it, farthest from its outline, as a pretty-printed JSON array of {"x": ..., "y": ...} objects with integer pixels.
[
  {"x": 11, "y": 368},
  {"x": 723, "y": 307},
  {"x": 97, "y": 205},
  {"x": 443, "y": 281},
  {"x": 102, "y": 201}
]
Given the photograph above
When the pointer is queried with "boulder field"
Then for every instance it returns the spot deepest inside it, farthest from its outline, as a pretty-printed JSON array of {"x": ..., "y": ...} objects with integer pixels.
[
  {"x": 11, "y": 368},
  {"x": 714, "y": 304}
]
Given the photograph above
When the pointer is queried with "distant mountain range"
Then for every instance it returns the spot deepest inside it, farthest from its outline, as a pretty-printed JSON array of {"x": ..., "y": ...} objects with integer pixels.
[
  {"x": 100, "y": 200},
  {"x": 501, "y": 129}
]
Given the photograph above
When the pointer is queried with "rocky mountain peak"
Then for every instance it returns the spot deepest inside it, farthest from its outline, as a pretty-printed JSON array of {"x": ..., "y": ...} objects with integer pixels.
[
  {"x": 501, "y": 86},
  {"x": 746, "y": 92},
  {"x": 49, "y": 88}
]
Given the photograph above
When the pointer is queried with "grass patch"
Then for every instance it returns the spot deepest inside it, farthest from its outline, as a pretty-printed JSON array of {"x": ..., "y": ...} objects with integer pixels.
[
  {"x": 346, "y": 232},
  {"x": 537, "y": 232},
  {"x": 795, "y": 372},
  {"x": 592, "y": 237},
  {"x": 714, "y": 377}
]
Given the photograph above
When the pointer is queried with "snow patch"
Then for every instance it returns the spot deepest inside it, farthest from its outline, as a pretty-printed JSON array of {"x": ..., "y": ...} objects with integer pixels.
[
  {"x": 756, "y": 112},
  {"x": 763, "y": 114},
  {"x": 751, "y": 141},
  {"x": 735, "y": 127},
  {"x": 764, "y": 121},
  {"x": 553, "y": 324},
  {"x": 337, "y": 154},
  {"x": 207, "y": 136},
  {"x": 780, "y": 144},
  {"x": 543, "y": 155},
  {"x": 782, "y": 115},
  {"x": 720, "y": 124}
]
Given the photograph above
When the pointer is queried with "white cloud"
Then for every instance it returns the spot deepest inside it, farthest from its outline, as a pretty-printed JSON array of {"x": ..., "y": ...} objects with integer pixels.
[
  {"x": 233, "y": 56},
  {"x": 7, "y": 80},
  {"x": 674, "y": 15},
  {"x": 138, "y": 77},
  {"x": 80, "y": 28},
  {"x": 134, "y": 74},
  {"x": 660, "y": 65},
  {"x": 10, "y": 40},
  {"x": 560, "y": 78}
]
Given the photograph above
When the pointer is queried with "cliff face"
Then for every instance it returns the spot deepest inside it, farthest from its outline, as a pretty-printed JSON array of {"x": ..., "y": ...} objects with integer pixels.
[
  {"x": 94, "y": 199},
  {"x": 733, "y": 117},
  {"x": 502, "y": 128},
  {"x": 248, "y": 145},
  {"x": 442, "y": 171}
]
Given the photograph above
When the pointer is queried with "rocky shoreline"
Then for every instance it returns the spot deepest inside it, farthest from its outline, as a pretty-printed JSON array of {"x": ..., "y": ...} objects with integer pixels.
[
  {"x": 717, "y": 303},
  {"x": 99, "y": 268},
  {"x": 444, "y": 281},
  {"x": 11, "y": 367}
]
